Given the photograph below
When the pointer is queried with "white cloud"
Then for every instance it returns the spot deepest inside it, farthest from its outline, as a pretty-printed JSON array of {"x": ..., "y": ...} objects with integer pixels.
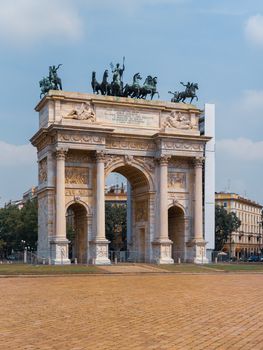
[
  {"x": 27, "y": 21},
  {"x": 254, "y": 30},
  {"x": 241, "y": 148},
  {"x": 16, "y": 155},
  {"x": 252, "y": 100}
]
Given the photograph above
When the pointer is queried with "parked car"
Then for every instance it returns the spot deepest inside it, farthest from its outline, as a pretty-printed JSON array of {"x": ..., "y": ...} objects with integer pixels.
[{"x": 253, "y": 258}]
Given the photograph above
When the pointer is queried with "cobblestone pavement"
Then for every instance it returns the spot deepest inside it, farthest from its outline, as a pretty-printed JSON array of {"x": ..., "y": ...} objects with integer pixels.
[{"x": 118, "y": 312}]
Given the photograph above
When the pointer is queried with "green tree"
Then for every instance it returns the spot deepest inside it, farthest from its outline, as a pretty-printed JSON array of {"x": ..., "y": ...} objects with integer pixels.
[
  {"x": 115, "y": 215},
  {"x": 18, "y": 225},
  {"x": 225, "y": 224}
]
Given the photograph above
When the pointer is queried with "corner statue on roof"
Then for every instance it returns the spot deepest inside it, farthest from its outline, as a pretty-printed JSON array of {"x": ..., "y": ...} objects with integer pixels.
[
  {"x": 189, "y": 92},
  {"x": 52, "y": 82}
]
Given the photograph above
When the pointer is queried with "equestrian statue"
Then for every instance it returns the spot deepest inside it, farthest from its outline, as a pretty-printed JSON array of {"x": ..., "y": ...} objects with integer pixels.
[
  {"x": 52, "y": 82},
  {"x": 190, "y": 89}
]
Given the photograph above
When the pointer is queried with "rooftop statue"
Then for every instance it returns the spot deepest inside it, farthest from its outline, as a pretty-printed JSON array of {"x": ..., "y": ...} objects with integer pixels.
[
  {"x": 117, "y": 88},
  {"x": 117, "y": 83},
  {"x": 52, "y": 82},
  {"x": 190, "y": 89}
]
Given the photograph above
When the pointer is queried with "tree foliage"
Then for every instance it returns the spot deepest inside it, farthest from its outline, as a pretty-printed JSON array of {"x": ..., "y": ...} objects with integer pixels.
[
  {"x": 18, "y": 225},
  {"x": 115, "y": 215},
  {"x": 225, "y": 224}
]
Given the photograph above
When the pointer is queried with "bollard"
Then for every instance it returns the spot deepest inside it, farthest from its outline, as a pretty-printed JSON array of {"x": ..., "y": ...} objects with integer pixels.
[
  {"x": 216, "y": 260},
  {"x": 115, "y": 260},
  {"x": 43, "y": 261},
  {"x": 179, "y": 260},
  {"x": 49, "y": 261},
  {"x": 75, "y": 261},
  {"x": 93, "y": 261}
]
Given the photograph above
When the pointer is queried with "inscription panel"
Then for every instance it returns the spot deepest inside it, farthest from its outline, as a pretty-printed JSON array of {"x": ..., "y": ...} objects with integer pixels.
[{"x": 125, "y": 116}]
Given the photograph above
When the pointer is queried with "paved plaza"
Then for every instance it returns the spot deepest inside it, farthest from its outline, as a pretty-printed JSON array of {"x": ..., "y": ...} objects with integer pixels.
[{"x": 144, "y": 311}]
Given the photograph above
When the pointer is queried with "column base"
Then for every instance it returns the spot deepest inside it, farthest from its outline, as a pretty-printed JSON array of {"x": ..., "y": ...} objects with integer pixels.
[
  {"x": 59, "y": 251},
  {"x": 162, "y": 251},
  {"x": 196, "y": 251},
  {"x": 99, "y": 252}
]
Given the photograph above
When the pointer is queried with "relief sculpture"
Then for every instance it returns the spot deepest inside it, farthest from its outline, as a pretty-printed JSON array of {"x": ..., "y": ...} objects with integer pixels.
[
  {"x": 141, "y": 211},
  {"x": 177, "y": 180},
  {"x": 84, "y": 112},
  {"x": 76, "y": 175},
  {"x": 177, "y": 121},
  {"x": 42, "y": 171}
]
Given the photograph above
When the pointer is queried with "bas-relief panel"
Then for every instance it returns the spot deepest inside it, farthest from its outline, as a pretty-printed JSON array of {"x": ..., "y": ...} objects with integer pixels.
[
  {"x": 176, "y": 181},
  {"x": 83, "y": 111},
  {"x": 76, "y": 175},
  {"x": 42, "y": 171},
  {"x": 141, "y": 211}
]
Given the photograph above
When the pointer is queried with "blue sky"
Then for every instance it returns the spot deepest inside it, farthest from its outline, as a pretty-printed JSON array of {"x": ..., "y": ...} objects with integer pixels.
[{"x": 218, "y": 44}]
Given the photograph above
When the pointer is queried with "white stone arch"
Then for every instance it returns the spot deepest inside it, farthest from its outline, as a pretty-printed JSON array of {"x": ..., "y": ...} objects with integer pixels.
[
  {"x": 174, "y": 203},
  {"x": 81, "y": 202},
  {"x": 122, "y": 163}
]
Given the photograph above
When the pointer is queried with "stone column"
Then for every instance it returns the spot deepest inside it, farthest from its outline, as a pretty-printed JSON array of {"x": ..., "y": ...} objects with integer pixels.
[
  {"x": 198, "y": 208},
  {"x": 163, "y": 171},
  {"x": 60, "y": 194},
  {"x": 162, "y": 246},
  {"x": 59, "y": 242},
  {"x": 100, "y": 243},
  {"x": 196, "y": 246}
]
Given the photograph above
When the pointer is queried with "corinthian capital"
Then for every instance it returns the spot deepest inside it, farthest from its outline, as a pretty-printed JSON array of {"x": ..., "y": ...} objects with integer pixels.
[
  {"x": 100, "y": 156},
  {"x": 61, "y": 153},
  {"x": 198, "y": 162},
  {"x": 163, "y": 159}
]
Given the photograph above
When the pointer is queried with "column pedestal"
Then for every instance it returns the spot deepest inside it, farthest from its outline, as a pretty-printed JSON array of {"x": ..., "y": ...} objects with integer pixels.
[
  {"x": 162, "y": 251},
  {"x": 59, "y": 251},
  {"x": 196, "y": 251},
  {"x": 99, "y": 250}
]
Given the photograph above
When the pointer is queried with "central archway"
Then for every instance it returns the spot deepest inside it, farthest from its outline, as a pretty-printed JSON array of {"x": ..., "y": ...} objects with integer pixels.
[{"x": 137, "y": 240}]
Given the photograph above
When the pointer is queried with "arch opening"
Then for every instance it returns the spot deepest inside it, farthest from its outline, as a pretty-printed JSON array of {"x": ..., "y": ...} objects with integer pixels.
[
  {"x": 129, "y": 236},
  {"x": 176, "y": 232},
  {"x": 77, "y": 225}
]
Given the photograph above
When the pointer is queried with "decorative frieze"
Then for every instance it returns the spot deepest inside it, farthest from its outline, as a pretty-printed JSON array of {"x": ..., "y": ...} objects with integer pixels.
[
  {"x": 131, "y": 144},
  {"x": 77, "y": 157},
  {"x": 76, "y": 192},
  {"x": 81, "y": 138},
  {"x": 182, "y": 146}
]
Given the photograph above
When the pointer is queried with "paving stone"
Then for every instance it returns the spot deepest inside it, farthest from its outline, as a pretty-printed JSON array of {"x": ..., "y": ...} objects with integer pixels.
[{"x": 117, "y": 312}]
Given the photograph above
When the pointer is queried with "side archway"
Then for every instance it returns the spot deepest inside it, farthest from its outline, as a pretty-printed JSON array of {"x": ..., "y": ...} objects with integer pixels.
[
  {"x": 77, "y": 231},
  {"x": 176, "y": 231}
]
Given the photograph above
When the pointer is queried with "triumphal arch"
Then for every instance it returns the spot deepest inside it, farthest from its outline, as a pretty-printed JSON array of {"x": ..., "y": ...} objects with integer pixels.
[{"x": 156, "y": 145}]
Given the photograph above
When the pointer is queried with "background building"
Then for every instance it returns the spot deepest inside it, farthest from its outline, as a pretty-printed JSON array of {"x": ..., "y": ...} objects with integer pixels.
[{"x": 247, "y": 240}]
